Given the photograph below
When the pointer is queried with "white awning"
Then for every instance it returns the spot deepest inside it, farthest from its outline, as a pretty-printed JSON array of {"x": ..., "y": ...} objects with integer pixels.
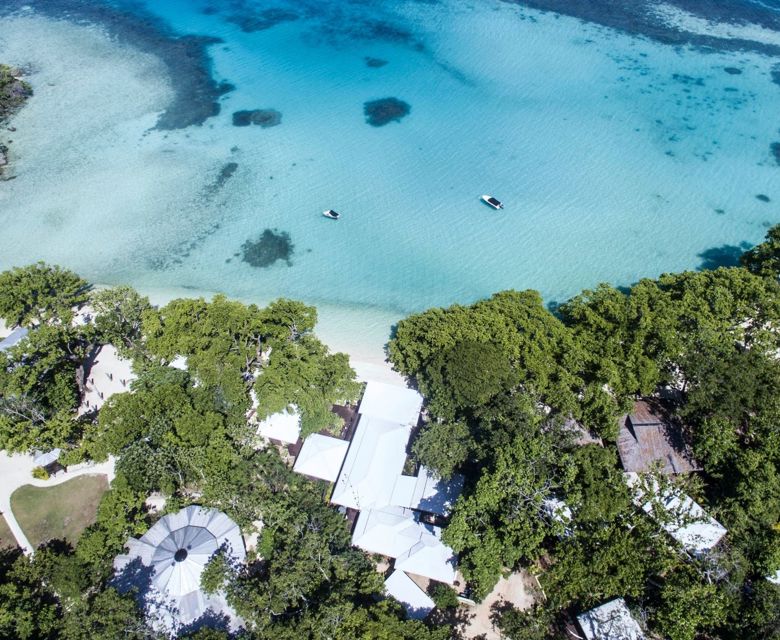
[
  {"x": 284, "y": 426},
  {"x": 417, "y": 603},
  {"x": 321, "y": 457}
]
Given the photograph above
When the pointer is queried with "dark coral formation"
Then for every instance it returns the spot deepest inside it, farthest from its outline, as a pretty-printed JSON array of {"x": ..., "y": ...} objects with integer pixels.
[
  {"x": 13, "y": 91},
  {"x": 732, "y": 71},
  {"x": 776, "y": 74},
  {"x": 723, "y": 256},
  {"x": 225, "y": 173},
  {"x": 375, "y": 63},
  {"x": 638, "y": 17},
  {"x": 270, "y": 247},
  {"x": 262, "y": 117},
  {"x": 386, "y": 110},
  {"x": 196, "y": 92},
  {"x": 763, "y": 198},
  {"x": 250, "y": 21},
  {"x": 775, "y": 147}
]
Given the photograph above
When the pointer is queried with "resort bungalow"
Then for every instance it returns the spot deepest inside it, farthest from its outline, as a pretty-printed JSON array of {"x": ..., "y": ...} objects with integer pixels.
[
  {"x": 647, "y": 438},
  {"x": 610, "y": 621},
  {"x": 680, "y": 516},
  {"x": 388, "y": 506}
]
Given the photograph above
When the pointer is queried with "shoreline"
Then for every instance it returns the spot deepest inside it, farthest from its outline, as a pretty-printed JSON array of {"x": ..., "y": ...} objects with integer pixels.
[{"x": 335, "y": 327}]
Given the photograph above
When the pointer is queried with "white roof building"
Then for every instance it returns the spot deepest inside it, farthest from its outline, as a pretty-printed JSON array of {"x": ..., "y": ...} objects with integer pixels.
[
  {"x": 45, "y": 458},
  {"x": 108, "y": 374},
  {"x": 417, "y": 603},
  {"x": 321, "y": 457},
  {"x": 284, "y": 426},
  {"x": 684, "y": 519},
  {"x": 14, "y": 338},
  {"x": 426, "y": 492},
  {"x": 417, "y": 547},
  {"x": 177, "y": 548},
  {"x": 375, "y": 459},
  {"x": 391, "y": 404},
  {"x": 610, "y": 621},
  {"x": 774, "y": 578}
]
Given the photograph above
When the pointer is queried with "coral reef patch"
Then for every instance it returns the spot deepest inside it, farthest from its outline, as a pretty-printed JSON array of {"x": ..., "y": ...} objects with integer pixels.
[
  {"x": 775, "y": 148},
  {"x": 263, "y": 117},
  {"x": 14, "y": 92},
  {"x": 641, "y": 17},
  {"x": 250, "y": 21},
  {"x": 272, "y": 245},
  {"x": 375, "y": 63},
  {"x": 384, "y": 111},
  {"x": 186, "y": 59}
]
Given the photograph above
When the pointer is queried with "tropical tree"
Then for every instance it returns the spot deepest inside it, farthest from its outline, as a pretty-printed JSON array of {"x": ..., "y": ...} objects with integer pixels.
[{"x": 40, "y": 293}]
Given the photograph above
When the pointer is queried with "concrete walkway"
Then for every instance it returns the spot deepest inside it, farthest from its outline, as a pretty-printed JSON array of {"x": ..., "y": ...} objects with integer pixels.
[{"x": 16, "y": 471}]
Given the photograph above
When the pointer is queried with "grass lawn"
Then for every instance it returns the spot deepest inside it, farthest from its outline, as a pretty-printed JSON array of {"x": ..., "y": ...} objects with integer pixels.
[
  {"x": 59, "y": 512},
  {"x": 7, "y": 539}
]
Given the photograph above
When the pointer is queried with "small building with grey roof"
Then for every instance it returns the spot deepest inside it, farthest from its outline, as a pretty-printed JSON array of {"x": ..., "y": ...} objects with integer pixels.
[{"x": 648, "y": 437}]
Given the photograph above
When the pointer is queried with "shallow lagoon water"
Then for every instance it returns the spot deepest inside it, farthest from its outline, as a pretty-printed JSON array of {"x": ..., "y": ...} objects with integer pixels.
[{"x": 618, "y": 156}]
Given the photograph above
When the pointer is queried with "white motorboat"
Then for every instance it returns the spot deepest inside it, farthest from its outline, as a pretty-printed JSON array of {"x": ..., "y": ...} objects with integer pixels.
[
  {"x": 492, "y": 202},
  {"x": 330, "y": 213}
]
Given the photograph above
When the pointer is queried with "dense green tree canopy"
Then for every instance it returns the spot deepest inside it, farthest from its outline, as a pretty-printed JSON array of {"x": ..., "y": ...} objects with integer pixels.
[{"x": 40, "y": 293}]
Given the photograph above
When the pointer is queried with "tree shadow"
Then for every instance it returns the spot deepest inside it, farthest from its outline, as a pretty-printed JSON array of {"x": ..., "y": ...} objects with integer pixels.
[{"x": 726, "y": 255}]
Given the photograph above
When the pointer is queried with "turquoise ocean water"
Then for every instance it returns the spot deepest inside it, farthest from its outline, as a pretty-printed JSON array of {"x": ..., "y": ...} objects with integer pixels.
[{"x": 618, "y": 156}]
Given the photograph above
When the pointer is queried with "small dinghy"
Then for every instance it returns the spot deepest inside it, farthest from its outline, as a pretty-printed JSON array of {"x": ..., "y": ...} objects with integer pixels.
[
  {"x": 492, "y": 202},
  {"x": 330, "y": 213}
]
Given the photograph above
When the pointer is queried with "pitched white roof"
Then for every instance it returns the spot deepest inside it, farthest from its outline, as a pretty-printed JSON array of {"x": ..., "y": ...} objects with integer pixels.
[
  {"x": 689, "y": 525},
  {"x": 284, "y": 426},
  {"x": 41, "y": 458},
  {"x": 417, "y": 548},
  {"x": 417, "y": 603},
  {"x": 388, "y": 531},
  {"x": 610, "y": 621},
  {"x": 177, "y": 548},
  {"x": 426, "y": 492},
  {"x": 375, "y": 459},
  {"x": 15, "y": 337},
  {"x": 429, "y": 557},
  {"x": 391, "y": 403},
  {"x": 321, "y": 457}
]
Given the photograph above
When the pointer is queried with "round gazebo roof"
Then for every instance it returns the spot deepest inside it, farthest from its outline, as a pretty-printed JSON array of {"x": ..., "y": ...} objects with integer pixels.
[{"x": 177, "y": 548}]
